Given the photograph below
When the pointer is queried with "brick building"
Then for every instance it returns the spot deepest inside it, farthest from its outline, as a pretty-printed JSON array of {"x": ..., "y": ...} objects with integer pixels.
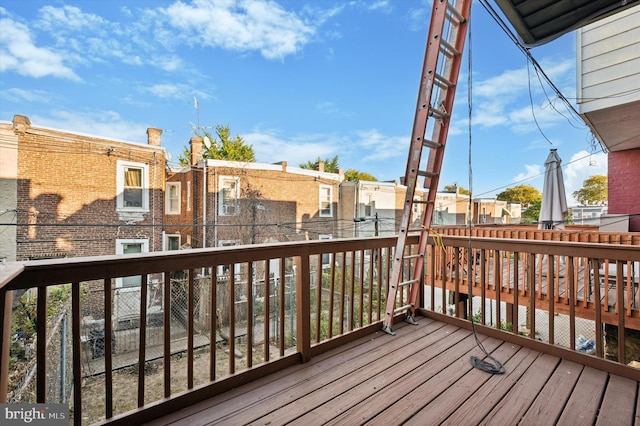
[
  {"x": 248, "y": 203},
  {"x": 70, "y": 195}
]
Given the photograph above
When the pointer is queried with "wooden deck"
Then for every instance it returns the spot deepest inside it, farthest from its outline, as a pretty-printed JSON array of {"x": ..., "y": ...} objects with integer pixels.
[{"x": 423, "y": 376}]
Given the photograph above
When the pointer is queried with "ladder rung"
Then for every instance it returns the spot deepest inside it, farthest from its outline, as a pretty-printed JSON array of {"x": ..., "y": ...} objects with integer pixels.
[
  {"x": 437, "y": 113},
  {"x": 405, "y": 283},
  {"x": 448, "y": 50},
  {"x": 440, "y": 79},
  {"x": 451, "y": 8},
  {"x": 423, "y": 202},
  {"x": 402, "y": 308},
  {"x": 412, "y": 256},
  {"x": 427, "y": 174},
  {"x": 431, "y": 144}
]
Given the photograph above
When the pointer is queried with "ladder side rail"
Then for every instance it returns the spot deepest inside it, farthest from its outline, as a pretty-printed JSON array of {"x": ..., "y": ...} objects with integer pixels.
[
  {"x": 437, "y": 156},
  {"x": 440, "y": 135},
  {"x": 436, "y": 27}
]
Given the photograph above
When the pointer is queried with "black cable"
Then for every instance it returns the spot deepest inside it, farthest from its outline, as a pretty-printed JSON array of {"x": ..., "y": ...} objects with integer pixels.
[{"x": 496, "y": 367}]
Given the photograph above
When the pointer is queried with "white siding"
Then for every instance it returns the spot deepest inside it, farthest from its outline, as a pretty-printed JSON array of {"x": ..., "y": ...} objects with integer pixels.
[{"x": 609, "y": 61}]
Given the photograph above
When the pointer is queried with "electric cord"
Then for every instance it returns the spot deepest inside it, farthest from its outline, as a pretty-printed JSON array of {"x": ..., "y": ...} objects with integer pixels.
[{"x": 495, "y": 366}]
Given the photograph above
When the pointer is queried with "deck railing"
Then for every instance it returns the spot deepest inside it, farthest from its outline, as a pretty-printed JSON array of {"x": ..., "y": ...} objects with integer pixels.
[{"x": 180, "y": 324}]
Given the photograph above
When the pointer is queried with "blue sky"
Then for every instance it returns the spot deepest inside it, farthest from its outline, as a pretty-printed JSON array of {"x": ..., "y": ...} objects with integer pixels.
[{"x": 296, "y": 79}]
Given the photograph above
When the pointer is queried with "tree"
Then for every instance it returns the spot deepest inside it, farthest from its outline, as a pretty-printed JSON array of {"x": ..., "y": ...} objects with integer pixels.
[
  {"x": 457, "y": 189},
  {"x": 594, "y": 190},
  {"x": 330, "y": 165},
  {"x": 223, "y": 147},
  {"x": 532, "y": 213},
  {"x": 353, "y": 175},
  {"x": 523, "y": 194}
]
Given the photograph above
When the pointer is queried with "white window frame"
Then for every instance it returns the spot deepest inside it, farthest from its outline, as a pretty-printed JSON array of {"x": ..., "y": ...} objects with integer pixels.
[
  {"x": 188, "y": 195},
  {"x": 226, "y": 208},
  {"x": 237, "y": 267},
  {"x": 120, "y": 251},
  {"x": 168, "y": 199},
  {"x": 321, "y": 195},
  {"x": 167, "y": 237},
  {"x": 120, "y": 187},
  {"x": 326, "y": 257}
]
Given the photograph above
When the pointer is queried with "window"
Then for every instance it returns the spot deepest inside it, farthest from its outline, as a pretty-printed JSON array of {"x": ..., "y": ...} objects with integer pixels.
[
  {"x": 172, "y": 242},
  {"x": 326, "y": 200},
  {"x": 172, "y": 198},
  {"x": 133, "y": 186},
  {"x": 189, "y": 196},
  {"x": 127, "y": 247},
  {"x": 369, "y": 206},
  {"x": 326, "y": 257},
  {"x": 229, "y": 195}
]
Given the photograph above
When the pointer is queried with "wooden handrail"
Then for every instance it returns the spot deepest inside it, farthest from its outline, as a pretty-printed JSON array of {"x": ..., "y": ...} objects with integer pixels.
[{"x": 332, "y": 300}]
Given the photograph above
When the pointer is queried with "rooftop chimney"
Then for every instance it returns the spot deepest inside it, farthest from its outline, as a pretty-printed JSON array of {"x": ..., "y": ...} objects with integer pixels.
[
  {"x": 196, "y": 149},
  {"x": 154, "y": 136},
  {"x": 321, "y": 166},
  {"x": 21, "y": 123}
]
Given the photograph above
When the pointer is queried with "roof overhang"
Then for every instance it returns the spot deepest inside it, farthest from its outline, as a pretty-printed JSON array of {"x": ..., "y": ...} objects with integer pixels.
[{"x": 539, "y": 21}]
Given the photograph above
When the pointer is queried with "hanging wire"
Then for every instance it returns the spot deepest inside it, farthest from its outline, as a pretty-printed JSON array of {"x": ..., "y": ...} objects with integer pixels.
[{"x": 487, "y": 363}]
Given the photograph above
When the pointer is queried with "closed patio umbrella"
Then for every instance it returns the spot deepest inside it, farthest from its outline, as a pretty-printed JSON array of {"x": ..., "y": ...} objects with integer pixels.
[{"x": 554, "y": 198}]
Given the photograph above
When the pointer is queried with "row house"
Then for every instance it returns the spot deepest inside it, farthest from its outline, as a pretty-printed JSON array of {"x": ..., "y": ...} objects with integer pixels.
[
  {"x": 375, "y": 208},
  {"x": 215, "y": 203},
  {"x": 69, "y": 195}
]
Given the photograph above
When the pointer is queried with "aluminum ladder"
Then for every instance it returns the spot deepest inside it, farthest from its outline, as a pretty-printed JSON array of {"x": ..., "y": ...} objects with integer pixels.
[{"x": 441, "y": 67}]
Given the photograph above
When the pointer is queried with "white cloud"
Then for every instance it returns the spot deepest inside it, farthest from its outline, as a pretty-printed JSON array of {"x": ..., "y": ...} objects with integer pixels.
[
  {"x": 243, "y": 25},
  {"x": 271, "y": 147},
  {"x": 532, "y": 171},
  {"x": 103, "y": 124},
  {"x": 579, "y": 168},
  {"x": 19, "y": 53}
]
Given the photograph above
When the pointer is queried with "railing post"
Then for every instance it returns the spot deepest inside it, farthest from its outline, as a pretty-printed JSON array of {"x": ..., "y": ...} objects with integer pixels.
[
  {"x": 303, "y": 306},
  {"x": 6, "y": 302}
]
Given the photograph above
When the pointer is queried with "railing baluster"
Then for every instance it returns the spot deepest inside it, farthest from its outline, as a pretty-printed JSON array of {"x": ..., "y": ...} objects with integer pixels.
[
  {"x": 332, "y": 277},
  {"x": 250, "y": 313},
  {"x": 267, "y": 307},
  {"x": 551, "y": 288},
  {"x": 77, "y": 354},
  {"x": 343, "y": 278},
  {"x": 41, "y": 345},
  {"x": 361, "y": 290},
  {"x": 142, "y": 342},
  {"x": 232, "y": 318},
  {"x": 166, "y": 333},
  {"x": 303, "y": 319},
  {"x": 319, "y": 299},
  {"x": 531, "y": 270},
  {"x": 352, "y": 292},
  {"x": 108, "y": 348},
  {"x": 6, "y": 305},
  {"x": 281, "y": 307},
  {"x": 213, "y": 319},
  {"x": 190, "y": 315},
  {"x": 571, "y": 297},
  {"x": 497, "y": 265},
  {"x": 598, "y": 307},
  {"x": 620, "y": 311}
]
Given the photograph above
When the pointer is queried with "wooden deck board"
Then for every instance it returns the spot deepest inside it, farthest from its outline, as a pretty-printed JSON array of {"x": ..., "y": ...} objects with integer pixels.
[
  {"x": 582, "y": 407},
  {"x": 548, "y": 406},
  {"x": 423, "y": 376},
  {"x": 618, "y": 402},
  {"x": 440, "y": 408}
]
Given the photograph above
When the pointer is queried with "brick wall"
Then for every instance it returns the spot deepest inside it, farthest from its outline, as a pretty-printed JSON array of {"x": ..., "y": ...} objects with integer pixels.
[
  {"x": 624, "y": 180},
  {"x": 66, "y": 194},
  {"x": 275, "y": 204}
]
